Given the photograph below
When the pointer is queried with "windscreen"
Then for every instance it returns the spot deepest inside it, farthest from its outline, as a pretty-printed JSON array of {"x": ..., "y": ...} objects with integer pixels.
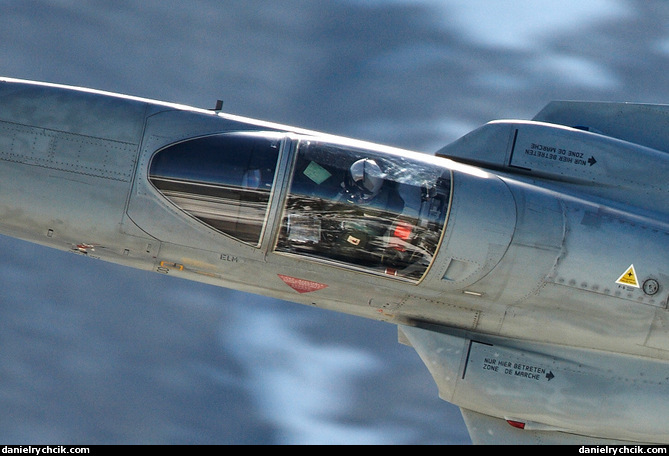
[{"x": 222, "y": 180}]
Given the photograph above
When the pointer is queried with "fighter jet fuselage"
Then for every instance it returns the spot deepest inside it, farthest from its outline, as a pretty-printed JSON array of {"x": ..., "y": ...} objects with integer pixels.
[{"x": 525, "y": 262}]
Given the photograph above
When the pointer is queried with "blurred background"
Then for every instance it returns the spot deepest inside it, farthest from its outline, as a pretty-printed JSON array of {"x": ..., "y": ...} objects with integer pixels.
[{"x": 92, "y": 353}]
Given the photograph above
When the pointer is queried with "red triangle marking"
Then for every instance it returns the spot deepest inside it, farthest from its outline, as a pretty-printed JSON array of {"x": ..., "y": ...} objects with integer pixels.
[{"x": 301, "y": 285}]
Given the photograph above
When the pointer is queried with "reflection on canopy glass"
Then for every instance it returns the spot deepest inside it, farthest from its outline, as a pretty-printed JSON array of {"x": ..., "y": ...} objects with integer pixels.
[
  {"x": 379, "y": 213},
  {"x": 223, "y": 180}
]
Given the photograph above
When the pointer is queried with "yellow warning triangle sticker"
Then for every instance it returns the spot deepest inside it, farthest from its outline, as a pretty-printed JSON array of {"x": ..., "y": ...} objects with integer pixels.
[{"x": 628, "y": 277}]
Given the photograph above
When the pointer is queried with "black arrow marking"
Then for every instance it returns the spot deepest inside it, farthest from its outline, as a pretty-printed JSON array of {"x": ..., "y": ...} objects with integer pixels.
[
  {"x": 592, "y": 160},
  {"x": 550, "y": 375}
]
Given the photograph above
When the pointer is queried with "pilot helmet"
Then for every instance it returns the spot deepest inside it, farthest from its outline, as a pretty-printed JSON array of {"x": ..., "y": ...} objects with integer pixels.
[{"x": 364, "y": 181}]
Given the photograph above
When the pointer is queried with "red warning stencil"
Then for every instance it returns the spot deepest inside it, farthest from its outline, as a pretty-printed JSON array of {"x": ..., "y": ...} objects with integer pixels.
[{"x": 301, "y": 285}]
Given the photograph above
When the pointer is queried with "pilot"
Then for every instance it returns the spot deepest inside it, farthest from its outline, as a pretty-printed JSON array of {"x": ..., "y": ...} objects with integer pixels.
[
  {"x": 361, "y": 234},
  {"x": 365, "y": 183}
]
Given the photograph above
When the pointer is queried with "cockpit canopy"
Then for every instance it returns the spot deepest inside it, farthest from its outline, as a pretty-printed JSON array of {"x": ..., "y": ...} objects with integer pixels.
[
  {"x": 223, "y": 180},
  {"x": 354, "y": 206},
  {"x": 377, "y": 212}
]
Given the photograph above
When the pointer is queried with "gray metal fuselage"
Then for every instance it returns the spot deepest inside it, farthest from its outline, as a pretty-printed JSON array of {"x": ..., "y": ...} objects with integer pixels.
[{"x": 543, "y": 302}]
